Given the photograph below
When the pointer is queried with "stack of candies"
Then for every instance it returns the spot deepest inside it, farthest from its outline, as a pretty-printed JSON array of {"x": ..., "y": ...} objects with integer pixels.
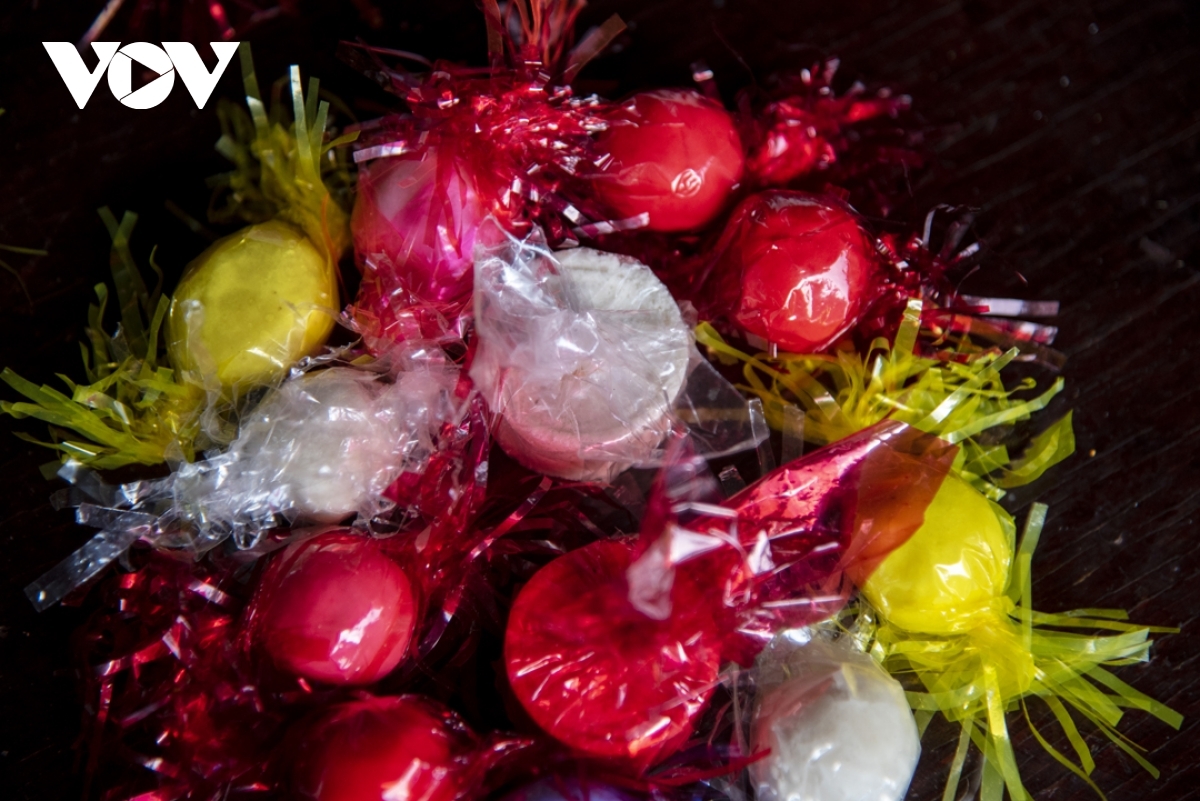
[{"x": 522, "y": 534}]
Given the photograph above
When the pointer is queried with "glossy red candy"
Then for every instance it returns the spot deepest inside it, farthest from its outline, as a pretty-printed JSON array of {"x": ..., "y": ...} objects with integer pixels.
[
  {"x": 405, "y": 748},
  {"x": 335, "y": 608},
  {"x": 793, "y": 269},
  {"x": 414, "y": 224},
  {"x": 674, "y": 155},
  {"x": 599, "y": 675}
]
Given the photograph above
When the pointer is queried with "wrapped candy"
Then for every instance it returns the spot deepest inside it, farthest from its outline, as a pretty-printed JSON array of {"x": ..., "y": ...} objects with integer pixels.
[
  {"x": 254, "y": 303},
  {"x": 335, "y": 608},
  {"x": 586, "y": 361},
  {"x": 803, "y": 132},
  {"x": 402, "y": 748},
  {"x": 600, "y": 675},
  {"x": 671, "y": 156},
  {"x": 512, "y": 145},
  {"x": 615, "y": 651},
  {"x": 246, "y": 310},
  {"x": 324, "y": 446},
  {"x": 954, "y": 609},
  {"x": 792, "y": 269},
  {"x": 834, "y": 725}
]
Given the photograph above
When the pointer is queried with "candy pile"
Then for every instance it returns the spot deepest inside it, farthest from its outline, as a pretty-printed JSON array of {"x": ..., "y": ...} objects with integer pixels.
[{"x": 522, "y": 534}]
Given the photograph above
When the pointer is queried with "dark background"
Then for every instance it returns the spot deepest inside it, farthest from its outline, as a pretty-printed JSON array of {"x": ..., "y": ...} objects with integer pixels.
[{"x": 1074, "y": 126}]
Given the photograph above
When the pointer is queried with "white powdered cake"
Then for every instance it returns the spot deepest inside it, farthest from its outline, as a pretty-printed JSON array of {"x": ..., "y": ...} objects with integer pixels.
[
  {"x": 590, "y": 392},
  {"x": 839, "y": 728}
]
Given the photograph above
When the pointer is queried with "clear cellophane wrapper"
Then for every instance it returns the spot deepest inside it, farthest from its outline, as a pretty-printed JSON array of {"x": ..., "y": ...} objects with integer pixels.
[
  {"x": 583, "y": 391},
  {"x": 325, "y": 446}
]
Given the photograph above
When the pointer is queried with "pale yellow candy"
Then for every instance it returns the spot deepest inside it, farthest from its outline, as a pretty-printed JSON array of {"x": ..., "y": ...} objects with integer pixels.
[
  {"x": 251, "y": 305},
  {"x": 951, "y": 574}
]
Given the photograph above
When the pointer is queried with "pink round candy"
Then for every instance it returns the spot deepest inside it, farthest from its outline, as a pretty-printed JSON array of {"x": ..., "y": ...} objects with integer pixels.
[
  {"x": 675, "y": 156},
  {"x": 414, "y": 224},
  {"x": 335, "y": 608}
]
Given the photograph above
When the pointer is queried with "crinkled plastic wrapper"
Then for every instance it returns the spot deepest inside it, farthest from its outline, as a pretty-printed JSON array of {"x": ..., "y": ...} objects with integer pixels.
[
  {"x": 598, "y": 674},
  {"x": 514, "y": 144},
  {"x": 325, "y": 446},
  {"x": 836, "y": 725},
  {"x": 587, "y": 362},
  {"x": 776, "y": 555},
  {"x": 615, "y": 649}
]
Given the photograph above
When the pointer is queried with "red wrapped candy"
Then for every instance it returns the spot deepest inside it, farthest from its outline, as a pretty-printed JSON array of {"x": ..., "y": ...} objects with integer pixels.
[
  {"x": 335, "y": 608},
  {"x": 672, "y": 155},
  {"x": 405, "y": 748},
  {"x": 601, "y": 676},
  {"x": 805, "y": 127},
  {"x": 793, "y": 269}
]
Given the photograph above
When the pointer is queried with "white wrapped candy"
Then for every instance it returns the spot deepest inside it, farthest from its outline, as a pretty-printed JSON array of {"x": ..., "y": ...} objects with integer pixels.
[
  {"x": 582, "y": 355},
  {"x": 838, "y": 727},
  {"x": 322, "y": 447}
]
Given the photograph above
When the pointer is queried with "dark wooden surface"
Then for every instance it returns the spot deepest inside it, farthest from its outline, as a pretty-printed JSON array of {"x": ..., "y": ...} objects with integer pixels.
[{"x": 1073, "y": 125}]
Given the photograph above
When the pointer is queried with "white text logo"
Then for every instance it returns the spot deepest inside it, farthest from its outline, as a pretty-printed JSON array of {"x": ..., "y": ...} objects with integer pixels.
[{"x": 165, "y": 61}]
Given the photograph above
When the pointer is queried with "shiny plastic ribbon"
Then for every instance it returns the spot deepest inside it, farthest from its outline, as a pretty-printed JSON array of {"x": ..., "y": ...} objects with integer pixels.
[{"x": 956, "y": 395}]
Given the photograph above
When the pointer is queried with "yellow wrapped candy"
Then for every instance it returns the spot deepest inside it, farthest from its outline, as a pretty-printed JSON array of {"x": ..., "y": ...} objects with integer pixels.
[
  {"x": 256, "y": 302},
  {"x": 953, "y": 609},
  {"x": 251, "y": 306},
  {"x": 245, "y": 311},
  {"x": 947, "y": 577}
]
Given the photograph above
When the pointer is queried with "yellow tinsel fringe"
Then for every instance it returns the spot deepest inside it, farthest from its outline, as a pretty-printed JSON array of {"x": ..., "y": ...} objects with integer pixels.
[
  {"x": 283, "y": 169},
  {"x": 827, "y": 397},
  {"x": 132, "y": 409}
]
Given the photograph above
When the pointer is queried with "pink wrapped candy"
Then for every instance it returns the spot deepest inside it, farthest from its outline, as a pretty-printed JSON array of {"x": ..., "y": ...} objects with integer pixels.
[
  {"x": 582, "y": 357},
  {"x": 414, "y": 224}
]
